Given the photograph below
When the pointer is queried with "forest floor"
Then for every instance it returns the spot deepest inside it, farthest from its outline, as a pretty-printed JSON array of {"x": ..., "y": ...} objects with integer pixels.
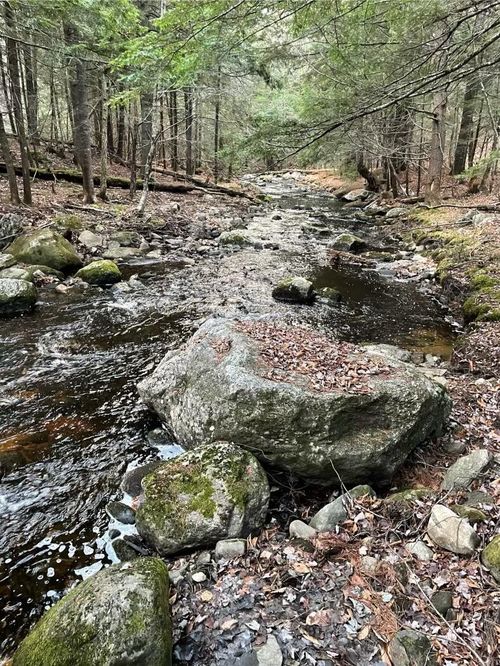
[{"x": 287, "y": 585}]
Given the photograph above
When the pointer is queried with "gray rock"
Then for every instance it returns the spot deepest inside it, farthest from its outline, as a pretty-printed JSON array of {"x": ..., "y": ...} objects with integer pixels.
[
  {"x": 16, "y": 296},
  {"x": 132, "y": 480},
  {"x": 442, "y": 601},
  {"x": 451, "y": 532},
  {"x": 479, "y": 499},
  {"x": 16, "y": 273},
  {"x": 410, "y": 648},
  {"x": 466, "y": 469},
  {"x": 395, "y": 212},
  {"x": 126, "y": 238},
  {"x": 330, "y": 294},
  {"x": 124, "y": 551},
  {"x": 100, "y": 273},
  {"x": 11, "y": 224},
  {"x": 121, "y": 252},
  {"x": 37, "y": 271},
  {"x": 90, "y": 239},
  {"x": 369, "y": 564},
  {"x": 294, "y": 290},
  {"x": 420, "y": 550},
  {"x": 301, "y": 530},
  {"x": 121, "y": 512},
  {"x": 347, "y": 242},
  {"x": 392, "y": 351},
  {"x": 48, "y": 248},
  {"x": 270, "y": 653},
  {"x": 215, "y": 492},
  {"x": 354, "y": 195},
  {"x": 118, "y": 616},
  {"x": 227, "y": 549},
  {"x": 6, "y": 261},
  {"x": 205, "y": 395},
  {"x": 336, "y": 512},
  {"x": 236, "y": 237}
]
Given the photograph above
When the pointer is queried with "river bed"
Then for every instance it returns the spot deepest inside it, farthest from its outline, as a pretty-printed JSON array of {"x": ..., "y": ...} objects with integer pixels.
[{"x": 71, "y": 421}]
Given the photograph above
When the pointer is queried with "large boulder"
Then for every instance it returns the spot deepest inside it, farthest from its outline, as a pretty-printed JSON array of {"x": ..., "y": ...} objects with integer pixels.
[
  {"x": 16, "y": 296},
  {"x": 218, "y": 491},
  {"x": 298, "y": 400},
  {"x": 118, "y": 616},
  {"x": 48, "y": 248},
  {"x": 100, "y": 272}
]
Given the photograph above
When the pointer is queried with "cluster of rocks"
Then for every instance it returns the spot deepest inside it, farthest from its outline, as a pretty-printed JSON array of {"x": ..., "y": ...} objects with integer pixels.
[{"x": 41, "y": 257}]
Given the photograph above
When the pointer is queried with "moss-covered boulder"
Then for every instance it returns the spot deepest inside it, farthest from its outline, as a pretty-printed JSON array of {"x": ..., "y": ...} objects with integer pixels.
[
  {"x": 100, "y": 273},
  {"x": 16, "y": 296},
  {"x": 48, "y": 248},
  {"x": 294, "y": 290},
  {"x": 411, "y": 648},
  {"x": 491, "y": 557},
  {"x": 218, "y": 491},
  {"x": 347, "y": 242},
  {"x": 409, "y": 495},
  {"x": 119, "y": 616}
]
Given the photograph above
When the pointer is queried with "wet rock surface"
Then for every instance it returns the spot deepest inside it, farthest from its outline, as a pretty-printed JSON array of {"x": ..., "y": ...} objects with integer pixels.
[
  {"x": 48, "y": 248},
  {"x": 16, "y": 296}
]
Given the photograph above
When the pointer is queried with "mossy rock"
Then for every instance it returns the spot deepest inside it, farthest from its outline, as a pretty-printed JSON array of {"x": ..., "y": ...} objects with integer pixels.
[
  {"x": 118, "y": 616},
  {"x": 217, "y": 491},
  {"x": 16, "y": 273},
  {"x": 347, "y": 242},
  {"x": 294, "y": 290},
  {"x": 48, "y": 248},
  {"x": 491, "y": 557},
  {"x": 330, "y": 294},
  {"x": 472, "y": 514},
  {"x": 411, "y": 648},
  {"x": 234, "y": 238},
  {"x": 70, "y": 221},
  {"x": 410, "y": 495},
  {"x": 100, "y": 273},
  {"x": 16, "y": 296},
  {"x": 46, "y": 270}
]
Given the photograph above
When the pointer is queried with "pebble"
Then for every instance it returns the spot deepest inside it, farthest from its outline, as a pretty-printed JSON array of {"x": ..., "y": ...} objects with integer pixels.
[
  {"x": 300, "y": 530},
  {"x": 229, "y": 548},
  {"x": 199, "y": 577},
  {"x": 450, "y": 532},
  {"x": 420, "y": 550},
  {"x": 270, "y": 653}
]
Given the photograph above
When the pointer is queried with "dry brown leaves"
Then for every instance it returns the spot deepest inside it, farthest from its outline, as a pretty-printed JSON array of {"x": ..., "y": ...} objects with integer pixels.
[{"x": 326, "y": 365}]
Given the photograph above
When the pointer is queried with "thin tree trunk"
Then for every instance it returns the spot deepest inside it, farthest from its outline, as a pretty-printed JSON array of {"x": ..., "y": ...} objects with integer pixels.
[
  {"x": 7, "y": 91},
  {"x": 146, "y": 126},
  {"x": 81, "y": 119},
  {"x": 120, "y": 129},
  {"x": 473, "y": 144},
  {"x": 9, "y": 163},
  {"x": 13, "y": 65},
  {"x": 145, "y": 184},
  {"x": 174, "y": 126},
  {"x": 217, "y": 125},
  {"x": 436, "y": 158},
  {"x": 104, "y": 140},
  {"x": 188, "y": 119},
  {"x": 466, "y": 127}
]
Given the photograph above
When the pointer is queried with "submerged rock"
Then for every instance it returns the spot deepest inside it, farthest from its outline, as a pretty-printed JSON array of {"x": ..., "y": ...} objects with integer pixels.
[
  {"x": 48, "y": 248},
  {"x": 100, "y": 273},
  {"x": 216, "y": 492},
  {"x": 294, "y": 290},
  {"x": 118, "y": 616},
  {"x": 330, "y": 294},
  {"x": 218, "y": 386},
  {"x": 16, "y": 296}
]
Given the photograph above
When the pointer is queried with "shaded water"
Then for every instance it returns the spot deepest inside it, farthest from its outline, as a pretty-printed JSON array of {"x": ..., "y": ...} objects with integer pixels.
[{"x": 70, "y": 418}]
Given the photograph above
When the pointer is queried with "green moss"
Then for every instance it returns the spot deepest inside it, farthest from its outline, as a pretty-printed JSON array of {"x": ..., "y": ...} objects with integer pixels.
[
  {"x": 69, "y": 221},
  {"x": 469, "y": 512},
  {"x": 100, "y": 272},
  {"x": 410, "y": 495}
]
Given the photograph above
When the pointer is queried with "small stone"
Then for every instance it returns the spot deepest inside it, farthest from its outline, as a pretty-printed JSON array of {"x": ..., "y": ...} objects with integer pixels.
[
  {"x": 479, "y": 499},
  {"x": 121, "y": 512},
  {"x": 472, "y": 514},
  {"x": 131, "y": 482},
  {"x": 466, "y": 469},
  {"x": 334, "y": 513},
  {"x": 227, "y": 549},
  {"x": 6, "y": 261},
  {"x": 16, "y": 273},
  {"x": 330, "y": 294},
  {"x": 420, "y": 550},
  {"x": 294, "y": 290},
  {"x": 450, "y": 532},
  {"x": 270, "y": 653},
  {"x": 455, "y": 446},
  {"x": 442, "y": 601},
  {"x": 61, "y": 288},
  {"x": 177, "y": 575},
  {"x": 370, "y": 564},
  {"x": 203, "y": 558},
  {"x": 410, "y": 648},
  {"x": 395, "y": 212},
  {"x": 347, "y": 242},
  {"x": 300, "y": 530},
  {"x": 124, "y": 551},
  {"x": 199, "y": 577},
  {"x": 90, "y": 239},
  {"x": 490, "y": 557}
]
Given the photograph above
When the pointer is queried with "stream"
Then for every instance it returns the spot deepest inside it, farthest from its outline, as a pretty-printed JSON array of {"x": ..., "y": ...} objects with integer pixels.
[{"x": 71, "y": 422}]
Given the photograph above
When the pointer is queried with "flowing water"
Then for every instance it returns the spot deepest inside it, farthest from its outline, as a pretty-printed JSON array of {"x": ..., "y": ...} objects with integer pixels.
[{"x": 71, "y": 422}]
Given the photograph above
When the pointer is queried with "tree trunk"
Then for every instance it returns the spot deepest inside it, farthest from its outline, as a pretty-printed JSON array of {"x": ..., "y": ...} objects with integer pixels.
[
  {"x": 188, "y": 119},
  {"x": 120, "y": 130},
  {"x": 81, "y": 119},
  {"x": 217, "y": 125},
  {"x": 466, "y": 127},
  {"x": 436, "y": 157},
  {"x": 174, "y": 127},
  {"x": 13, "y": 65},
  {"x": 104, "y": 140},
  {"x": 9, "y": 163},
  {"x": 30, "y": 65},
  {"x": 7, "y": 92},
  {"x": 372, "y": 181},
  {"x": 145, "y": 184},
  {"x": 146, "y": 126}
]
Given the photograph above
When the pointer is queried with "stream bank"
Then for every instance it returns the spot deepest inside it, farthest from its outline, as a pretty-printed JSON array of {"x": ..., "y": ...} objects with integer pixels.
[{"x": 98, "y": 344}]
